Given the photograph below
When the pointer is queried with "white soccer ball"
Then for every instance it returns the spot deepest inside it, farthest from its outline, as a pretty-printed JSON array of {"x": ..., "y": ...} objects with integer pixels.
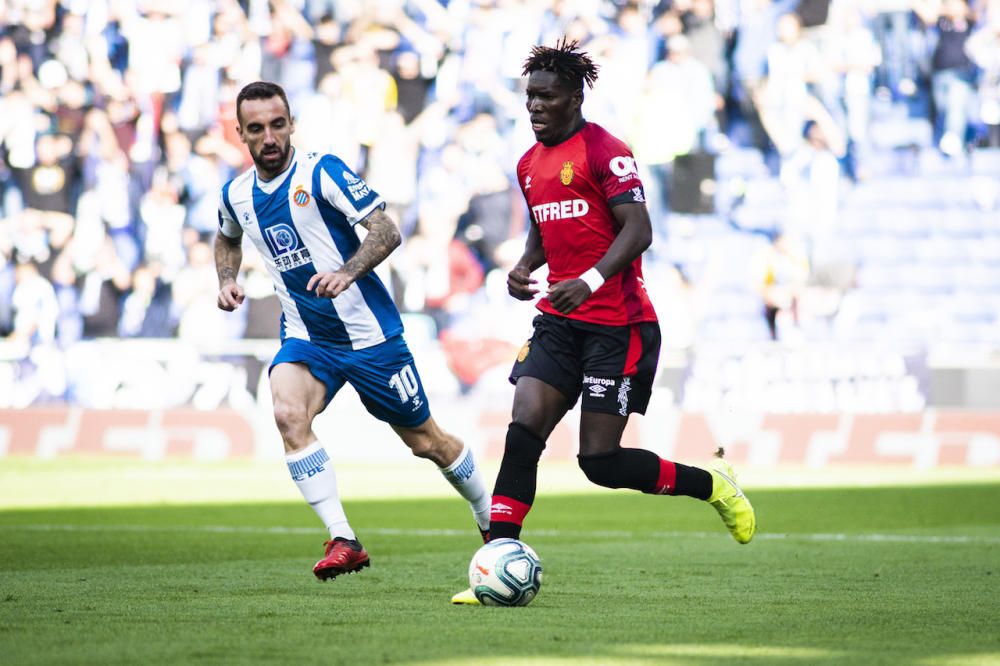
[{"x": 505, "y": 572}]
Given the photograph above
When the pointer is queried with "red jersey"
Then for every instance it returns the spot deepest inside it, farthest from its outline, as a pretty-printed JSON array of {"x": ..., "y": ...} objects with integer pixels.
[{"x": 570, "y": 189}]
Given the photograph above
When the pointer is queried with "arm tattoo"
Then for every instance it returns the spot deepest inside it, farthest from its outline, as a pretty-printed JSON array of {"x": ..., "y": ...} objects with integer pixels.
[
  {"x": 382, "y": 239},
  {"x": 228, "y": 257}
]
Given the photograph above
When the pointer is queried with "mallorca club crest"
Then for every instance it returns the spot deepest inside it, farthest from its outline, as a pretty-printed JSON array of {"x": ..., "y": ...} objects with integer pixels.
[
  {"x": 566, "y": 173},
  {"x": 523, "y": 354},
  {"x": 300, "y": 197}
]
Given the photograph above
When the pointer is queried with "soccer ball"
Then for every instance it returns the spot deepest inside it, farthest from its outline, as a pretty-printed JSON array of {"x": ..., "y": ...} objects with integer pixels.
[{"x": 505, "y": 572}]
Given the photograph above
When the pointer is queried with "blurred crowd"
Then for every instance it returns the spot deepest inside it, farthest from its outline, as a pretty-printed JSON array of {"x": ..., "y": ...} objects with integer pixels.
[{"x": 117, "y": 131}]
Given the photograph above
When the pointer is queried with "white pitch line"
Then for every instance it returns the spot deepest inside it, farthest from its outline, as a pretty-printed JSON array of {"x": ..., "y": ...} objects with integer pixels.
[{"x": 600, "y": 534}]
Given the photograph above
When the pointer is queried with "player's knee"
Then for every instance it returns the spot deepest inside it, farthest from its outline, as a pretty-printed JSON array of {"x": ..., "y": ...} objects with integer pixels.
[
  {"x": 522, "y": 446},
  {"x": 602, "y": 469},
  {"x": 291, "y": 418}
]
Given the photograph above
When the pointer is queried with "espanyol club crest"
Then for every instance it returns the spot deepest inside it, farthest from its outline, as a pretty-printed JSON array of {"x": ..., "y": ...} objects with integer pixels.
[
  {"x": 300, "y": 197},
  {"x": 566, "y": 173}
]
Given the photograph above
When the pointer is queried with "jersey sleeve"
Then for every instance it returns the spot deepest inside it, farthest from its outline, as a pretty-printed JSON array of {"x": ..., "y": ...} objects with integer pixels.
[
  {"x": 228, "y": 225},
  {"x": 524, "y": 181},
  {"x": 616, "y": 172},
  {"x": 343, "y": 189}
]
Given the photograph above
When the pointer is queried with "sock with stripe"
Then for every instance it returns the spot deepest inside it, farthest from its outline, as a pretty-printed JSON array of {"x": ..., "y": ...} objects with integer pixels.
[
  {"x": 514, "y": 491},
  {"x": 465, "y": 477},
  {"x": 313, "y": 473},
  {"x": 646, "y": 472}
]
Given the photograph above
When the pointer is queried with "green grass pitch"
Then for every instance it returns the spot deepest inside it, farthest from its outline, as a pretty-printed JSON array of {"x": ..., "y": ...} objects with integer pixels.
[{"x": 868, "y": 575}]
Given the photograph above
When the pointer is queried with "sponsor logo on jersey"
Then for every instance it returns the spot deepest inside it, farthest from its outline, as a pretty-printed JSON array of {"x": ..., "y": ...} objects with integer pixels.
[
  {"x": 623, "y": 395},
  {"x": 300, "y": 197},
  {"x": 523, "y": 354},
  {"x": 597, "y": 391},
  {"x": 598, "y": 381},
  {"x": 527, "y": 182},
  {"x": 282, "y": 239},
  {"x": 288, "y": 252},
  {"x": 566, "y": 173},
  {"x": 637, "y": 195},
  {"x": 358, "y": 188},
  {"x": 560, "y": 210},
  {"x": 246, "y": 218},
  {"x": 287, "y": 262},
  {"x": 623, "y": 167}
]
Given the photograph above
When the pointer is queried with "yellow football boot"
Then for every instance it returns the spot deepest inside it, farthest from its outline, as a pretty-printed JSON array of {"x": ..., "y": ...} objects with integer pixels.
[
  {"x": 728, "y": 499},
  {"x": 465, "y": 598}
]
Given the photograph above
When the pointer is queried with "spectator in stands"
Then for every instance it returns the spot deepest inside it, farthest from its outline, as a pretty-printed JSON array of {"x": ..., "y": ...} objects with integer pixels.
[
  {"x": 952, "y": 71},
  {"x": 780, "y": 275},
  {"x": 35, "y": 307},
  {"x": 664, "y": 129},
  {"x": 117, "y": 120},
  {"x": 853, "y": 54},
  {"x": 195, "y": 297},
  {"x": 36, "y": 311},
  {"x": 793, "y": 65},
  {"x": 983, "y": 49},
  {"x": 104, "y": 282},
  {"x": 708, "y": 43},
  {"x": 811, "y": 175},
  {"x": 146, "y": 309}
]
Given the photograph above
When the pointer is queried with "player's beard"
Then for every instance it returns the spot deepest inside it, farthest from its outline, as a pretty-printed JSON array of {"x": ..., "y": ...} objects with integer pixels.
[{"x": 273, "y": 162}]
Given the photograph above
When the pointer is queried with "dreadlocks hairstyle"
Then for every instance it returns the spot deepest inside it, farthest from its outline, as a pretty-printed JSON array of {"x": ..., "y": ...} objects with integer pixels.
[{"x": 572, "y": 66}]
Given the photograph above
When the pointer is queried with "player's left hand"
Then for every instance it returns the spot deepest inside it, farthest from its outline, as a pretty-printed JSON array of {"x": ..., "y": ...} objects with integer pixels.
[
  {"x": 329, "y": 285},
  {"x": 568, "y": 295}
]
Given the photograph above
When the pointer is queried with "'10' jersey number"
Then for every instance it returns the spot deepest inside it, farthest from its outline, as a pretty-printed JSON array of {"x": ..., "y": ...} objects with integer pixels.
[{"x": 405, "y": 383}]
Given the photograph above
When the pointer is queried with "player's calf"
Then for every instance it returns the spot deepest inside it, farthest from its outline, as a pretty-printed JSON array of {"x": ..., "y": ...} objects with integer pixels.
[
  {"x": 514, "y": 491},
  {"x": 646, "y": 472}
]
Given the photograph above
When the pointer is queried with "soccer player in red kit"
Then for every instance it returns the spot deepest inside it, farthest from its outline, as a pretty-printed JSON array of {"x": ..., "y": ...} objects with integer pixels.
[{"x": 597, "y": 333}]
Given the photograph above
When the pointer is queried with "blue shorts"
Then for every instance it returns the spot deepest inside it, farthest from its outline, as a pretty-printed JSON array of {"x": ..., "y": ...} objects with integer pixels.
[{"x": 384, "y": 375}]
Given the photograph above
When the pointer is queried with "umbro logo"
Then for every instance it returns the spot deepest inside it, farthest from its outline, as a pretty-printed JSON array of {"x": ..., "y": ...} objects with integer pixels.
[
  {"x": 527, "y": 182},
  {"x": 502, "y": 509}
]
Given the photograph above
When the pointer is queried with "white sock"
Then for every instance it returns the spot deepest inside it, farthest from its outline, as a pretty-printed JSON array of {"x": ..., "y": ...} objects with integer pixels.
[
  {"x": 465, "y": 477},
  {"x": 313, "y": 473}
]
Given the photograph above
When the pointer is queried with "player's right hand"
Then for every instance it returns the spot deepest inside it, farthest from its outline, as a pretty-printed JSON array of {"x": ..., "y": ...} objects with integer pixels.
[
  {"x": 519, "y": 283},
  {"x": 230, "y": 296}
]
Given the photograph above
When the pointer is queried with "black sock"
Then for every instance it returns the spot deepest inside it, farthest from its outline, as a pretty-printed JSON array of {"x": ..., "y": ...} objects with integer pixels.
[
  {"x": 646, "y": 472},
  {"x": 514, "y": 491},
  {"x": 693, "y": 482}
]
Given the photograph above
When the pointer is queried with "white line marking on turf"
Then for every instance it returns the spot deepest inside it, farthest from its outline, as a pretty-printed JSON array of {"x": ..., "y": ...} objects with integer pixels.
[{"x": 599, "y": 534}]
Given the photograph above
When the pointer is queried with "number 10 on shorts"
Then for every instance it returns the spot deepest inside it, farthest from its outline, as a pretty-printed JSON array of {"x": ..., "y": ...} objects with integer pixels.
[{"x": 405, "y": 383}]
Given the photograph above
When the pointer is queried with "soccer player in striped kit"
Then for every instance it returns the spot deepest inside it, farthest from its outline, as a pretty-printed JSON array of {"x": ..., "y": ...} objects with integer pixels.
[
  {"x": 338, "y": 322},
  {"x": 597, "y": 334}
]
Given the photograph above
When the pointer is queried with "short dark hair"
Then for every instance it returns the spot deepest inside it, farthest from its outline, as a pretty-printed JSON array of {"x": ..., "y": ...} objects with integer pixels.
[
  {"x": 261, "y": 90},
  {"x": 572, "y": 66}
]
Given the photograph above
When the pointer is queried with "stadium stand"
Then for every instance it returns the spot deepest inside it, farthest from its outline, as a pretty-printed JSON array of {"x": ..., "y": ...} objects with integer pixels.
[{"x": 852, "y": 215}]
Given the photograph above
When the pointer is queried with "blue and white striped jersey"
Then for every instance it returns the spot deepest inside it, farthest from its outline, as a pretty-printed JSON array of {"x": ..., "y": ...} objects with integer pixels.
[{"x": 302, "y": 222}]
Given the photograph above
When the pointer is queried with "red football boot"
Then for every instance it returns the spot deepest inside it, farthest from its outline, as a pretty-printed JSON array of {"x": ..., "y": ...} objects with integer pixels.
[{"x": 342, "y": 556}]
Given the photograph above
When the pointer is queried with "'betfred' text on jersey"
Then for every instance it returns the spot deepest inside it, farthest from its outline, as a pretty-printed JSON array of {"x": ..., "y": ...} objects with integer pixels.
[{"x": 560, "y": 210}]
